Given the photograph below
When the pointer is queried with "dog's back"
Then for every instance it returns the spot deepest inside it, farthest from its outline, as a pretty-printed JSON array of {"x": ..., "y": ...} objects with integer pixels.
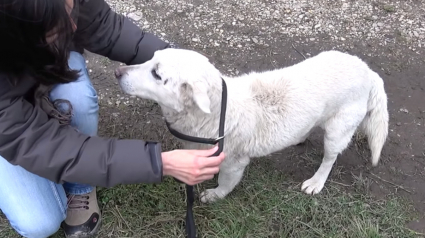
[{"x": 286, "y": 104}]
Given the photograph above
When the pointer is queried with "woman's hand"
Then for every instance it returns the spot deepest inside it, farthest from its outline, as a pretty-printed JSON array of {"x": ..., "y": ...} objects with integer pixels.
[{"x": 191, "y": 166}]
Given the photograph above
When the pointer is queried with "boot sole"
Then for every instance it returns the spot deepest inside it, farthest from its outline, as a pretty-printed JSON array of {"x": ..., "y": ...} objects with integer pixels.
[{"x": 93, "y": 233}]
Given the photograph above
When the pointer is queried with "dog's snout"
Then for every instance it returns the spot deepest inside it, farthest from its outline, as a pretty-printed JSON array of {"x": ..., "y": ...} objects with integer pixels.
[
  {"x": 121, "y": 71},
  {"x": 118, "y": 73}
]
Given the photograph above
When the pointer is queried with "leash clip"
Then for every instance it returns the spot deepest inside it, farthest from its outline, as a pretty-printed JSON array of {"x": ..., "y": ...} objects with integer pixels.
[{"x": 219, "y": 138}]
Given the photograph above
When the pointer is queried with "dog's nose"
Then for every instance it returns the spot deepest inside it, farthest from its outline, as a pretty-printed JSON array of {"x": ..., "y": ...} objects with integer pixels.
[{"x": 118, "y": 73}]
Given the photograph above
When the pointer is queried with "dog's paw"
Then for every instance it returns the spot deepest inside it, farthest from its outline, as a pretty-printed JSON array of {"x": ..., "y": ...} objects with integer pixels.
[
  {"x": 312, "y": 186},
  {"x": 211, "y": 195}
]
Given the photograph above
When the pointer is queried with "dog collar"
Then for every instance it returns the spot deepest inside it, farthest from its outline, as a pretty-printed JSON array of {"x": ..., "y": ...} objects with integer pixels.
[{"x": 211, "y": 141}]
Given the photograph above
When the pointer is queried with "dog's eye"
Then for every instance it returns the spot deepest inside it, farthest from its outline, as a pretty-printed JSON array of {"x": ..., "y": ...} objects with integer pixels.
[{"x": 155, "y": 75}]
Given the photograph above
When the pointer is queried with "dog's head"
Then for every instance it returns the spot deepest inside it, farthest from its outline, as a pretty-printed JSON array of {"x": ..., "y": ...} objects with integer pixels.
[{"x": 175, "y": 78}]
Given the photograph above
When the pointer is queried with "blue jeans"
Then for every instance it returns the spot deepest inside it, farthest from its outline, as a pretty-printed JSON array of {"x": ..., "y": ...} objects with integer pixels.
[{"x": 34, "y": 205}]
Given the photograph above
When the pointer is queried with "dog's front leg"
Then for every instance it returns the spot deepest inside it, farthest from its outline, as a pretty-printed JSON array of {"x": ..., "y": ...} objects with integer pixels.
[{"x": 231, "y": 172}]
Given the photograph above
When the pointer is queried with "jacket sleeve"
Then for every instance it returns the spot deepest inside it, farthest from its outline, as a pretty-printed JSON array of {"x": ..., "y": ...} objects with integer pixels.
[
  {"x": 102, "y": 31},
  {"x": 59, "y": 153}
]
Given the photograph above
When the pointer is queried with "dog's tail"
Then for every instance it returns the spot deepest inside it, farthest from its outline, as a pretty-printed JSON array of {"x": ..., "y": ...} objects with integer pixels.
[{"x": 375, "y": 124}]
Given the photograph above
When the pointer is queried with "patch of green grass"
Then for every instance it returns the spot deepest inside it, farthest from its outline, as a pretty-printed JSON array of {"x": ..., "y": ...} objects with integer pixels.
[{"x": 264, "y": 204}]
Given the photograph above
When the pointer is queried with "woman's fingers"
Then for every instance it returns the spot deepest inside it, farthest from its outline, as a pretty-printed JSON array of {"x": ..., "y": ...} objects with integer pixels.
[
  {"x": 210, "y": 171},
  {"x": 200, "y": 175},
  {"x": 210, "y": 161},
  {"x": 204, "y": 153}
]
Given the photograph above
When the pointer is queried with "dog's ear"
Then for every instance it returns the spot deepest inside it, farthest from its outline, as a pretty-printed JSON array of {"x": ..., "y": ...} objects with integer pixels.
[{"x": 200, "y": 96}]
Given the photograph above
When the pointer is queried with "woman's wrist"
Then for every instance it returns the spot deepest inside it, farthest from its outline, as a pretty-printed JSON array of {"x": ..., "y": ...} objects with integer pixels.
[{"x": 166, "y": 165}]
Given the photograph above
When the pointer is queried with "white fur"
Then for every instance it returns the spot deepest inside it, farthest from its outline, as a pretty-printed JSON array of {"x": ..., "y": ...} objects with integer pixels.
[{"x": 266, "y": 111}]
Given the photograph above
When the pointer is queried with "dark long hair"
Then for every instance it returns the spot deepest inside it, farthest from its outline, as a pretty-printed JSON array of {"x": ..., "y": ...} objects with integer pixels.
[{"x": 24, "y": 26}]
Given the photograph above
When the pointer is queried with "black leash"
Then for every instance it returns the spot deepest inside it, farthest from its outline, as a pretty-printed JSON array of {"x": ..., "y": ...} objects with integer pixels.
[{"x": 190, "y": 221}]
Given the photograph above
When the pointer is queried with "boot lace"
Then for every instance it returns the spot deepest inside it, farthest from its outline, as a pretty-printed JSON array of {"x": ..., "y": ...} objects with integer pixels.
[{"x": 78, "y": 202}]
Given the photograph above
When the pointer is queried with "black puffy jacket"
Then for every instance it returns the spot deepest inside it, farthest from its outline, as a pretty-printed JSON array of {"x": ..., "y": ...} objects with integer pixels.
[{"x": 38, "y": 143}]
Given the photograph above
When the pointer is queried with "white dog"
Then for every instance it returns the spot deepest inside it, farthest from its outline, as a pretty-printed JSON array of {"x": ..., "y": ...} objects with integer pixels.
[{"x": 266, "y": 111}]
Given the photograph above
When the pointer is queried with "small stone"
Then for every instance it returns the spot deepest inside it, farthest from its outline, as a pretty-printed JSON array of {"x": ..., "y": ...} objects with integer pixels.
[
  {"x": 398, "y": 123},
  {"x": 389, "y": 8},
  {"x": 404, "y": 110},
  {"x": 136, "y": 16}
]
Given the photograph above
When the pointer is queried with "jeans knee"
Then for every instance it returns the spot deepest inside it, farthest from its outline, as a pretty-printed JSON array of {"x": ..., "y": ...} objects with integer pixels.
[
  {"x": 82, "y": 97},
  {"x": 83, "y": 102},
  {"x": 37, "y": 228},
  {"x": 85, "y": 111}
]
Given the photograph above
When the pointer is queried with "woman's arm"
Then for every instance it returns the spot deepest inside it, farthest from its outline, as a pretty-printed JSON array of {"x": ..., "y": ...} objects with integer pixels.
[
  {"x": 59, "y": 153},
  {"x": 102, "y": 31}
]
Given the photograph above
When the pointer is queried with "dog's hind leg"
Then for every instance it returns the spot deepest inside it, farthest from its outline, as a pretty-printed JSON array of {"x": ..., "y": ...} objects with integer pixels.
[
  {"x": 338, "y": 133},
  {"x": 231, "y": 172}
]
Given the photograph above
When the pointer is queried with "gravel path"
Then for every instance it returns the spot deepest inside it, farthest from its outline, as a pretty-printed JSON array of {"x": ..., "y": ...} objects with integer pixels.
[{"x": 219, "y": 23}]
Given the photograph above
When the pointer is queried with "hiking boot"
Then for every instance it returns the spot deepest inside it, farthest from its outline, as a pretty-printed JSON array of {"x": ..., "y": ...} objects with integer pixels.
[{"x": 83, "y": 216}]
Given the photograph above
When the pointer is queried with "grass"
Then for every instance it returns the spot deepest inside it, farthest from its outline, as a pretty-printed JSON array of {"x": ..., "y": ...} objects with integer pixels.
[{"x": 265, "y": 204}]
